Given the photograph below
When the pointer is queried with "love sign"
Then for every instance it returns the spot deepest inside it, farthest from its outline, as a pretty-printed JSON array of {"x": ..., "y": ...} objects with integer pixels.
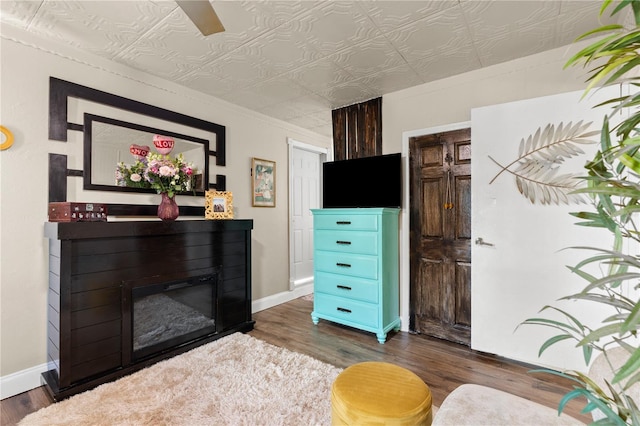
[
  {"x": 139, "y": 152},
  {"x": 163, "y": 144}
]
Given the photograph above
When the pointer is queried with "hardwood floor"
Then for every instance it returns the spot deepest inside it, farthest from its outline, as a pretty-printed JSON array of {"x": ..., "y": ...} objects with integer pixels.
[{"x": 442, "y": 365}]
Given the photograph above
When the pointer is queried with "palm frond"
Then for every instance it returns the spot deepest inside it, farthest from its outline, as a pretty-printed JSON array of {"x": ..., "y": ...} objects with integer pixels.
[{"x": 536, "y": 168}]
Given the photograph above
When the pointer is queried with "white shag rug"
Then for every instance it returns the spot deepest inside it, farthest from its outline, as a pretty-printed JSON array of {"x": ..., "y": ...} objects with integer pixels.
[{"x": 236, "y": 380}]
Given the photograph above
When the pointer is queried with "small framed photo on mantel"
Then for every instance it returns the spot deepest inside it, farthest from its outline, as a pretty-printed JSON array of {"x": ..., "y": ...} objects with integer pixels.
[
  {"x": 218, "y": 205},
  {"x": 263, "y": 183}
]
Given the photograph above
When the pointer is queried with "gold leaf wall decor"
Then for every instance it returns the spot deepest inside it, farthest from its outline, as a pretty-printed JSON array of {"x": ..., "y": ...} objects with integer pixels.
[{"x": 540, "y": 157}]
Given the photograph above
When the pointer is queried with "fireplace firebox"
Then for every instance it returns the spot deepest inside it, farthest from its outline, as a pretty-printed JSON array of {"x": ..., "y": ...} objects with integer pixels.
[{"x": 167, "y": 315}]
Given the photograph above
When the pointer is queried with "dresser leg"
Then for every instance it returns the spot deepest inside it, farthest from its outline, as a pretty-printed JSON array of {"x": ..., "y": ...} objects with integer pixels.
[
  {"x": 314, "y": 318},
  {"x": 382, "y": 337}
]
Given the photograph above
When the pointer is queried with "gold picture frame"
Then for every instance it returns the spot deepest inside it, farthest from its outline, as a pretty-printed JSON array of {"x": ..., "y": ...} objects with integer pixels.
[
  {"x": 263, "y": 183},
  {"x": 218, "y": 205}
]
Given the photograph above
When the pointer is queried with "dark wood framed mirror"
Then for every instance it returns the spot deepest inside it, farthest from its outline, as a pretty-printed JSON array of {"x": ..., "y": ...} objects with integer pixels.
[{"x": 107, "y": 142}]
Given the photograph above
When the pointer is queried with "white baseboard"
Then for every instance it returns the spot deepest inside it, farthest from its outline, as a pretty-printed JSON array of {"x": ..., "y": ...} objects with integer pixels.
[
  {"x": 21, "y": 381},
  {"x": 25, "y": 380},
  {"x": 294, "y": 284},
  {"x": 280, "y": 298}
]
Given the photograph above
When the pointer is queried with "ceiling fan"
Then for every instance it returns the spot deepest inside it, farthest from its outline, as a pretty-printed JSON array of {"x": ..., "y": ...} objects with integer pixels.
[{"x": 203, "y": 16}]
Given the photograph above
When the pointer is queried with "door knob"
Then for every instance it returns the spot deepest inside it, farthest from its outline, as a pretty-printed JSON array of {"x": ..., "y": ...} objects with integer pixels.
[{"x": 481, "y": 242}]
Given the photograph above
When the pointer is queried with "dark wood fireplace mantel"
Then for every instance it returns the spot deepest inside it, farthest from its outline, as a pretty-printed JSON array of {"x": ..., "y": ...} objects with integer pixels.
[{"x": 89, "y": 305}]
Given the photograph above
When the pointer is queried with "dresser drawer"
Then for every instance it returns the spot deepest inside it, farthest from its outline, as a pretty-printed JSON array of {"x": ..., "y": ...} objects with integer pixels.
[
  {"x": 347, "y": 287},
  {"x": 348, "y": 310},
  {"x": 346, "y": 222},
  {"x": 355, "y": 265},
  {"x": 362, "y": 242}
]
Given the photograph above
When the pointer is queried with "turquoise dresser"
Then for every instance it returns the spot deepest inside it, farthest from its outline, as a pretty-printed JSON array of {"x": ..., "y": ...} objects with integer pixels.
[{"x": 355, "y": 256}]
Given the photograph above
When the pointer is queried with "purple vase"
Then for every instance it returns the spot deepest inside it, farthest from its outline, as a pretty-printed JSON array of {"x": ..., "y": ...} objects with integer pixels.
[{"x": 168, "y": 210}]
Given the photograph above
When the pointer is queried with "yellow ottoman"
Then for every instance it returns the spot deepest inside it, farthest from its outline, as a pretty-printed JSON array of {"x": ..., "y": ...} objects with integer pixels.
[{"x": 379, "y": 393}]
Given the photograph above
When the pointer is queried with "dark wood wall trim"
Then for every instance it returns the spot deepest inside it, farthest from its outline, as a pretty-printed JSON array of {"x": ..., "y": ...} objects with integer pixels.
[
  {"x": 372, "y": 127},
  {"x": 57, "y": 177},
  {"x": 61, "y": 90},
  {"x": 339, "y": 118},
  {"x": 353, "y": 136},
  {"x": 221, "y": 183},
  {"x": 357, "y": 130},
  {"x": 149, "y": 210}
]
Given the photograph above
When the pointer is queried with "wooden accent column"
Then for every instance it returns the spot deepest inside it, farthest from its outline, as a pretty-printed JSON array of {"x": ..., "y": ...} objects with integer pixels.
[
  {"x": 339, "y": 117},
  {"x": 357, "y": 130}
]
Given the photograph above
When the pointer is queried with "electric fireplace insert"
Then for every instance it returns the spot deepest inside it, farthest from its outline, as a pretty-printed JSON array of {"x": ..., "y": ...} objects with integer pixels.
[{"x": 169, "y": 314}]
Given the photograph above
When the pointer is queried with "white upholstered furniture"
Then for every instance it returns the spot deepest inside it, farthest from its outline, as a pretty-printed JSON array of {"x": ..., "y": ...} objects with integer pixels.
[{"x": 473, "y": 405}]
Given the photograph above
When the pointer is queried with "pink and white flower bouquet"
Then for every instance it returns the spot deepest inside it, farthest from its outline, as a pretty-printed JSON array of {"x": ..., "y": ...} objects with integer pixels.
[
  {"x": 166, "y": 174},
  {"x": 160, "y": 172},
  {"x": 131, "y": 176}
]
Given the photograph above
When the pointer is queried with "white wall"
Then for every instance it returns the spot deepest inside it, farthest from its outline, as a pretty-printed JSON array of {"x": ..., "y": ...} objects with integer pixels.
[
  {"x": 26, "y": 64},
  {"x": 447, "y": 104},
  {"x": 450, "y": 100}
]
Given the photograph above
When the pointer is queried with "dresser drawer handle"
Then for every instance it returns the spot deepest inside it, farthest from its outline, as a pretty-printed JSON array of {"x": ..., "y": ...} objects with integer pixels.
[
  {"x": 344, "y": 265},
  {"x": 346, "y": 243},
  {"x": 348, "y": 311},
  {"x": 343, "y": 222},
  {"x": 343, "y": 287}
]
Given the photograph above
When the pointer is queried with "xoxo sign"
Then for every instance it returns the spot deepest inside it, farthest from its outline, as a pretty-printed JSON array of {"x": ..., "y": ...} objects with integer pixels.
[
  {"x": 163, "y": 144},
  {"x": 139, "y": 152}
]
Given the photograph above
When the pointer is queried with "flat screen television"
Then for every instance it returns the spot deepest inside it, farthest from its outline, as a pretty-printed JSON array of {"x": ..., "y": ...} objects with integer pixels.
[{"x": 363, "y": 182}]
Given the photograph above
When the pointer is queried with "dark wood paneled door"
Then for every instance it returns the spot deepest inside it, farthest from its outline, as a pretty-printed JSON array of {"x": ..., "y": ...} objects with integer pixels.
[{"x": 440, "y": 216}]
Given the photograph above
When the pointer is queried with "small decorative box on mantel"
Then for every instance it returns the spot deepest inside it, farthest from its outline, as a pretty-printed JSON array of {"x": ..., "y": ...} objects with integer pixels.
[{"x": 77, "y": 212}]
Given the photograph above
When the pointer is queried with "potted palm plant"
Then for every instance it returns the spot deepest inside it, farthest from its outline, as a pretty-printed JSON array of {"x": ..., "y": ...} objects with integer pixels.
[{"x": 612, "y": 183}]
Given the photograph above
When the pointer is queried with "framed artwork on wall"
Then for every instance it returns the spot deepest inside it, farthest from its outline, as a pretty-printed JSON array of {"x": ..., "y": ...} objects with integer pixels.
[
  {"x": 218, "y": 205},
  {"x": 263, "y": 184}
]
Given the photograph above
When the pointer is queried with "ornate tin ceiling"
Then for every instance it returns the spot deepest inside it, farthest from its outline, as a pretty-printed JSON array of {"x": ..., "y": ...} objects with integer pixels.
[{"x": 297, "y": 60}]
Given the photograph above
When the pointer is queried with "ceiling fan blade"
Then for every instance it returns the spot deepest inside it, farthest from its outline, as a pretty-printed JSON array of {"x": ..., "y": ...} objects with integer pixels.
[{"x": 203, "y": 16}]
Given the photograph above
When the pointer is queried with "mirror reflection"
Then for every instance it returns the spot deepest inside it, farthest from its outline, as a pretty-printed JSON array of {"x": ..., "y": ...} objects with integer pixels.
[{"x": 108, "y": 142}]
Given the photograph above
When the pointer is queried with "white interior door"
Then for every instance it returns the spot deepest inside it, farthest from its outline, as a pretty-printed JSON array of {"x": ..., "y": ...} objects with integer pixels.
[
  {"x": 519, "y": 264},
  {"x": 305, "y": 169}
]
